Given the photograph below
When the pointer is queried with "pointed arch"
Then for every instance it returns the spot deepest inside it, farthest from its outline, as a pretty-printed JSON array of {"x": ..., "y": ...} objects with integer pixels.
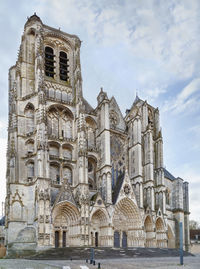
[
  {"x": 99, "y": 228},
  {"x": 170, "y": 237},
  {"x": 66, "y": 219},
  {"x": 150, "y": 233},
  {"x": 126, "y": 218},
  {"x": 29, "y": 112},
  {"x": 161, "y": 237}
]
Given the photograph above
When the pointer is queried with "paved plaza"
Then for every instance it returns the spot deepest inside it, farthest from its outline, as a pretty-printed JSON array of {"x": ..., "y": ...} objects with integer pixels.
[{"x": 135, "y": 263}]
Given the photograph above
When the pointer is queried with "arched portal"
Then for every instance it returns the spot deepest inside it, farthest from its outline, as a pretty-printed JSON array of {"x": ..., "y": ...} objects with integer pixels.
[
  {"x": 171, "y": 237},
  {"x": 66, "y": 220},
  {"x": 150, "y": 233},
  {"x": 161, "y": 240},
  {"x": 127, "y": 219},
  {"x": 99, "y": 228}
]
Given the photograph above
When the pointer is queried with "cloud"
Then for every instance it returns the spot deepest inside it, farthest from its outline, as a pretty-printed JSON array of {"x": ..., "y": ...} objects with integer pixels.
[{"x": 187, "y": 100}]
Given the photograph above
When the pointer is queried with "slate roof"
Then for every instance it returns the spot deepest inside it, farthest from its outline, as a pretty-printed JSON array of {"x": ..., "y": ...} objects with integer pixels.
[
  {"x": 117, "y": 187},
  {"x": 168, "y": 175},
  {"x": 88, "y": 107},
  {"x": 2, "y": 221}
]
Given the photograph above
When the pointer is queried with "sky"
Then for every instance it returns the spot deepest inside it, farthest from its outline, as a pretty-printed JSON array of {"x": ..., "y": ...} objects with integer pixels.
[{"x": 148, "y": 46}]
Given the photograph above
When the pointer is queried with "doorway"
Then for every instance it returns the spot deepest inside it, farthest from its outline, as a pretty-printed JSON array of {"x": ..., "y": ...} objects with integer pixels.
[
  {"x": 124, "y": 240},
  {"x": 56, "y": 239},
  {"x": 96, "y": 239},
  {"x": 64, "y": 239},
  {"x": 116, "y": 239}
]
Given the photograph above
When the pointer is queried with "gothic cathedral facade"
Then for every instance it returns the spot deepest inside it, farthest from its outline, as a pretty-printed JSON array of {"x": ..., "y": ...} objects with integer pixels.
[{"x": 79, "y": 176}]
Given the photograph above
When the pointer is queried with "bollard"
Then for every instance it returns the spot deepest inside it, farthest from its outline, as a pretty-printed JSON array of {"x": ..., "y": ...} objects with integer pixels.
[
  {"x": 92, "y": 254},
  {"x": 90, "y": 261},
  {"x": 86, "y": 260},
  {"x": 93, "y": 262},
  {"x": 181, "y": 242},
  {"x": 99, "y": 265}
]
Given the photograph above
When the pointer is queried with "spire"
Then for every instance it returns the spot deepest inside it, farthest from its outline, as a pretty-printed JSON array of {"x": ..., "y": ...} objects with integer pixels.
[{"x": 136, "y": 97}]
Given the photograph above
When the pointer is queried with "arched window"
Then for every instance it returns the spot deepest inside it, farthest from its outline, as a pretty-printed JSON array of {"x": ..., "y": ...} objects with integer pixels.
[
  {"x": 30, "y": 169},
  {"x": 167, "y": 197},
  {"x": 66, "y": 126},
  {"x": 67, "y": 173},
  {"x": 54, "y": 149},
  {"x": 91, "y": 173},
  {"x": 63, "y": 66},
  {"x": 49, "y": 62},
  {"x": 55, "y": 172},
  {"x": 53, "y": 122},
  {"x": 30, "y": 146},
  {"x": 29, "y": 114},
  {"x": 67, "y": 152}
]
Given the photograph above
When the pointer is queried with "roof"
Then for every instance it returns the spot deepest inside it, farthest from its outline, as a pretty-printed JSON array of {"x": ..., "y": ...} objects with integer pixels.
[
  {"x": 2, "y": 221},
  {"x": 117, "y": 188},
  {"x": 88, "y": 107},
  {"x": 168, "y": 175}
]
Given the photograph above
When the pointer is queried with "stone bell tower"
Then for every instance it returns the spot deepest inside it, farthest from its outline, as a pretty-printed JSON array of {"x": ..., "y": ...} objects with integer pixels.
[{"x": 45, "y": 85}]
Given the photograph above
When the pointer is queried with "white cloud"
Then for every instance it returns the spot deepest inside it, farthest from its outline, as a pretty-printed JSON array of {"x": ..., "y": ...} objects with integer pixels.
[{"x": 186, "y": 101}]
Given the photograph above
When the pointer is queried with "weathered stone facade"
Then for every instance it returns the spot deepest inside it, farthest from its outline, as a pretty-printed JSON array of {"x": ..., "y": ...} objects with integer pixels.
[{"x": 78, "y": 176}]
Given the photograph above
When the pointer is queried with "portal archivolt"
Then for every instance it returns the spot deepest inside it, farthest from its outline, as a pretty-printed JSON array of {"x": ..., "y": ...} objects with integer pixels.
[
  {"x": 66, "y": 222},
  {"x": 127, "y": 220}
]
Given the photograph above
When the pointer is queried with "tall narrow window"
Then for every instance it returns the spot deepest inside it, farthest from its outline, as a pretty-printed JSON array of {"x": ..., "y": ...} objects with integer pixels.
[
  {"x": 49, "y": 62},
  {"x": 63, "y": 66},
  {"x": 30, "y": 170}
]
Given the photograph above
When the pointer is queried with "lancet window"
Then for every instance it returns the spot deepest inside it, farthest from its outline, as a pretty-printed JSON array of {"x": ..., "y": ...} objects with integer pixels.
[
  {"x": 55, "y": 172},
  {"x": 64, "y": 66},
  {"x": 60, "y": 123},
  {"x": 29, "y": 116},
  {"x": 49, "y": 62},
  {"x": 91, "y": 173},
  {"x": 30, "y": 169},
  {"x": 67, "y": 173}
]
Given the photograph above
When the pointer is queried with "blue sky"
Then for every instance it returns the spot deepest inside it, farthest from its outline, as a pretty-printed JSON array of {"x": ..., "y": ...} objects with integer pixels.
[{"x": 149, "y": 46}]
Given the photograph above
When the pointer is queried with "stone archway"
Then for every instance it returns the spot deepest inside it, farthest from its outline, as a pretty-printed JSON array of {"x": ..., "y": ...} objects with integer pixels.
[
  {"x": 66, "y": 223},
  {"x": 170, "y": 237},
  {"x": 99, "y": 229},
  {"x": 126, "y": 219},
  {"x": 161, "y": 237},
  {"x": 150, "y": 233}
]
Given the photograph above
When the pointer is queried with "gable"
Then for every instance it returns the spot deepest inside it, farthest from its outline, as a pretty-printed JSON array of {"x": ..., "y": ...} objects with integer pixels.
[
  {"x": 116, "y": 117},
  {"x": 123, "y": 189},
  {"x": 65, "y": 194}
]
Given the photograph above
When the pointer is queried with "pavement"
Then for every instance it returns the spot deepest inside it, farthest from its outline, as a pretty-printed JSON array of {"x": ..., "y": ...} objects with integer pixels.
[{"x": 190, "y": 262}]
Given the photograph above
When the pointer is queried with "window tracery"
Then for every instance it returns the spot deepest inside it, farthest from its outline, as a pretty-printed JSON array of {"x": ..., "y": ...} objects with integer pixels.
[{"x": 59, "y": 123}]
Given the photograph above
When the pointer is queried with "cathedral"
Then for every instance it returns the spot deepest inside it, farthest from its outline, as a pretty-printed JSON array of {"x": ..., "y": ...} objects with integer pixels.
[{"x": 78, "y": 175}]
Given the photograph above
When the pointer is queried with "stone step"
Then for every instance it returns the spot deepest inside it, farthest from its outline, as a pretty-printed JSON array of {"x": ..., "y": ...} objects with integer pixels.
[{"x": 81, "y": 253}]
